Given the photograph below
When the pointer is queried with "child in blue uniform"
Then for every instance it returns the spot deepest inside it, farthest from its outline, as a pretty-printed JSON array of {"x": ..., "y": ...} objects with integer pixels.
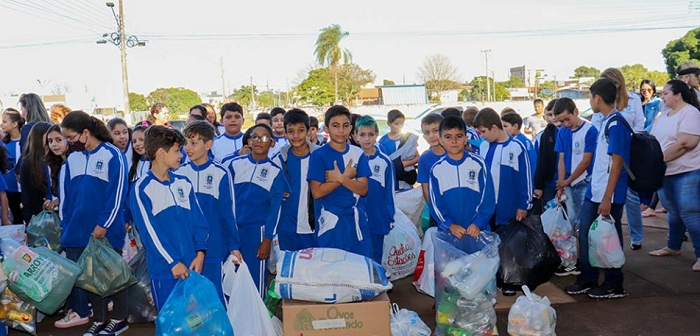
[
  {"x": 512, "y": 123},
  {"x": 12, "y": 123},
  {"x": 430, "y": 126},
  {"x": 258, "y": 186},
  {"x": 461, "y": 188},
  {"x": 510, "y": 167},
  {"x": 93, "y": 187},
  {"x": 278, "y": 128},
  {"x": 297, "y": 226},
  {"x": 337, "y": 177},
  {"x": 167, "y": 215},
  {"x": 380, "y": 194},
  {"x": 231, "y": 141},
  {"x": 214, "y": 191}
]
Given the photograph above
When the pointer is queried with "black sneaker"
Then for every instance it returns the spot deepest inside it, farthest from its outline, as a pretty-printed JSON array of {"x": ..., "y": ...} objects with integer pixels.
[
  {"x": 95, "y": 329},
  {"x": 635, "y": 247},
  {"x": 579, "y": 288},
  {"x": 607, "y": 292},
  {"x": 115, "y": 327},
  {"x": 564, "y": 271}
]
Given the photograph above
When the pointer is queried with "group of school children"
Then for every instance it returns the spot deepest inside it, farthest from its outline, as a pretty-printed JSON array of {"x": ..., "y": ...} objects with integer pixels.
[{"x": 198, "y": 199}]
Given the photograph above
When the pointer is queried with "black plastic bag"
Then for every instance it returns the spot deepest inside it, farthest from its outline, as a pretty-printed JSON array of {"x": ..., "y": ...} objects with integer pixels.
[{"x": 527, "y": 255}]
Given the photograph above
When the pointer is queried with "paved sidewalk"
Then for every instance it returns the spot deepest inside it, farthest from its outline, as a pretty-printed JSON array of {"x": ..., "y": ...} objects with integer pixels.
[{"x": 664, "y": 298}]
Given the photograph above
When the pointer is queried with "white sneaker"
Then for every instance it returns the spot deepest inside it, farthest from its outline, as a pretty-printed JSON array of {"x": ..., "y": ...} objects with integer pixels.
[{"x": 72, "y": 319}]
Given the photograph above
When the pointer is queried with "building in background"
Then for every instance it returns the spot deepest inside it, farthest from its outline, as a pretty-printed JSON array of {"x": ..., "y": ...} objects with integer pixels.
[{"x": 404, "y": 94}]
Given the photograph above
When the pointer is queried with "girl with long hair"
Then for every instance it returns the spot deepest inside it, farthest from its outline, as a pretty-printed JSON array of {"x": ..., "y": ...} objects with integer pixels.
[
  {"x": 34, "y": 173},
  {"x": 140, "y": 162},
  {"x": 33, "y": 111},
  {"x": 55, "y": 156},
  {"x": 93, "y": 188},
  {"x": 12, "y": 123},
  {"x": 121, "y": 137}
]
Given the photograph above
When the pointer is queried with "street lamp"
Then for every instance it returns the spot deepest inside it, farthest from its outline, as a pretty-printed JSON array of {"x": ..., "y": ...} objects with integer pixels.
[{"x": 122, "y": 41}]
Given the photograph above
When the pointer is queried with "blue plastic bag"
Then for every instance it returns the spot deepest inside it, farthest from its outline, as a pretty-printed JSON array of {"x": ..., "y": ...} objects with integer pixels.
[{"x": 193, "y": 308}]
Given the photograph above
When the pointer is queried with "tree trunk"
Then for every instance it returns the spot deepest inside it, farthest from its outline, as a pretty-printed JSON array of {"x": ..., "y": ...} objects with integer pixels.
[{"x": 335, "y": 72}]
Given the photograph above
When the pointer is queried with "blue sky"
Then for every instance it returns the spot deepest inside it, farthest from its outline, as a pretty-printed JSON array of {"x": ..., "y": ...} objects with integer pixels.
[{"x": 272, "y": 41}]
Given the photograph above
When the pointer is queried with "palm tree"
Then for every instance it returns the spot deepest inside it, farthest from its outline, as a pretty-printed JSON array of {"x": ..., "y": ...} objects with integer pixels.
[{"x": 328, "y": 51}]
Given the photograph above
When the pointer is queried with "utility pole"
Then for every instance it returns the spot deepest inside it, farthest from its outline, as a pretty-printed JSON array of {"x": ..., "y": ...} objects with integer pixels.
[
  {"x": 122, "y": 41},
  {"x": 252, "y": 93},
  {"x": 223, "y": 80},
  {"x": 488, "y": 84}
]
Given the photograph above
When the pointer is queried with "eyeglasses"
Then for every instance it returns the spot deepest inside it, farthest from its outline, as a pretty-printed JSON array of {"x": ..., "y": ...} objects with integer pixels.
[{"x": 263, "y": 138}]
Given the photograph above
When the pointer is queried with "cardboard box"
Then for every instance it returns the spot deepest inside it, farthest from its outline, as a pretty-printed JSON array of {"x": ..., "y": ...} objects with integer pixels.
[{"x": 370, "y": 318}]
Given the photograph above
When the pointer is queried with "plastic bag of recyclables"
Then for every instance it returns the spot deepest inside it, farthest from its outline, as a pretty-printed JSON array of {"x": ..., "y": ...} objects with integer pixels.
[
  {"x": 532, "y": 315},
  {"x": 329, "y": 275}
]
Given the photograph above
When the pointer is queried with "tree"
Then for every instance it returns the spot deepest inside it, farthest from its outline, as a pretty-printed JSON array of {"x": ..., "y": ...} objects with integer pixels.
[
  {"x": 686, "y": 48},
  {"x": 328, "y": 51},
  {"x": 514, "y": 82},
  {"x": 179, "y": 100},
  {"x": 266, "y": 99},
  {"x": 479, "y": 90},
  {"x": 438, "y": 74},
  {"x": 244, "y": 95},
  {"x": 388, "y": 82},
  {"x": 137, "y": 102},
  {"x": 546, "y": 89},
  {"x": 60, "y": 88},
  {"x": 584, "y": 71},
  {"x": 634, "y": 74},
  {"x": 318, "y": 88}
]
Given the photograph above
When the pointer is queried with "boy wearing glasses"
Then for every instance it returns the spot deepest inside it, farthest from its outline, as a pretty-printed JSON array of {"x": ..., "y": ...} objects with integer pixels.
[
  {"x": 258, "y": 186},
  {"x": 337, "y": 177}
]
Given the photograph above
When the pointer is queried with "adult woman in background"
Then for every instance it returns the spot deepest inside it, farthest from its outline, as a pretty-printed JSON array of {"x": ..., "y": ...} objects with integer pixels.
[
  {"x": 630, "y": 105},
  {"x": 160, "y": 115},
  {"x": 678, "y": 132}
]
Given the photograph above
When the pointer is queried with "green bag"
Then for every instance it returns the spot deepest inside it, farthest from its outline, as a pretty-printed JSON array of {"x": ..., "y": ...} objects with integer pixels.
[
  {"x": 44, "y": 229},
  {"x": 105, "y": 272}
]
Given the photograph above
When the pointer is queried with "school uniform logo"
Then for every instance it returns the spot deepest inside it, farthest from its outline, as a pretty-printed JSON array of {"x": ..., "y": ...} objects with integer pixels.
[
  {"x": 181, "y": 194},
  {"x": 263, "y": 173},
  {"x": 510, "y": 157},
  {"x": 210, "y": 180},
  {"x": 376, "y": 169},
  {"x": 472, "y": 175},
  {"x": 99, "y": 165}
]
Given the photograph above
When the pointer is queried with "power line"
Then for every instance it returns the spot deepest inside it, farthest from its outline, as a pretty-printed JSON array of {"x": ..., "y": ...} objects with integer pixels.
[{"x": 33, "y": 9}]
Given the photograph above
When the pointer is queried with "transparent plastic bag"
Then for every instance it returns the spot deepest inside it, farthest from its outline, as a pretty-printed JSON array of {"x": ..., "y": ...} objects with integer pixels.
[
  {"x": 329, "y": 275},
  {"x": 411, "y": 204},
  {"x": 142, "y": 308},
  {"x": 275, "y": 254},
  {"x": 17, "y": 314},
  {"x": 465, "y": 283},
  {"x": 44, "y": 229},
  {"x": 532, "y": 315},
  {"x": 405, "y": 322},
  {"x": 38, "y": 275},
  {"x": 193, "y": 309},
  {"x": 105, "y": 272},
  {"x": 557, "y": 226},
  {"x": 604, "y": 248},
  {"x": 14, "y": 232},
  {"x": 3, "y": 279},
  {"x": 402, "y": 247},
  {"x": 424, "y": 276}
]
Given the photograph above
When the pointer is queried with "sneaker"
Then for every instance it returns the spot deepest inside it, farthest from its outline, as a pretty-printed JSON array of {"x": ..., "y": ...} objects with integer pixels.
[
  {"x": 564, "y": 271},
  {"x": 94, "y": 329},
  {"x": 72, "y": 319},
  {"x": 115, "y": 327},
  {"x": 607, "y": 292},
  {"x": 635, "y": 247},
  {"x": 507, "y": 291},
  {"x": 696, "y": 266},
  {"x": 579, "y": 288},
  {"x": 665, "y": 252}
]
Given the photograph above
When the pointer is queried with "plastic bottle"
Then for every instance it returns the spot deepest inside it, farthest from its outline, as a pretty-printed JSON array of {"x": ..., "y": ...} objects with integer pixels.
[{"x": 19, "y": 315}]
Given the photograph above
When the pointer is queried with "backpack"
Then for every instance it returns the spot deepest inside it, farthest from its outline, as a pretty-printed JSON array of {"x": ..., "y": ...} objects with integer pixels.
[{"x": 647, "y": 167}]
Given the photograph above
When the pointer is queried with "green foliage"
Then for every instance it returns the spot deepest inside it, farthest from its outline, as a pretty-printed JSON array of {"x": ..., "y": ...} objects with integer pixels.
[
  {"x": 686, "y": 48},
  {"x": 244, "y": 95},
  {"x": 546, "y": 89},
  {"x": 327, "y": 49},
  {"x": 514, "y": 82},
  {"x": 634, "y": 74},
  {"x": 584, "y": 71},
  {"x": 388, "y": 82},
  {"x": 137, "y": 102},
  {"x": 479, "y": 90},
  {"x": 318, "y": 87},
  {"x": 178, "y": 100}
]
